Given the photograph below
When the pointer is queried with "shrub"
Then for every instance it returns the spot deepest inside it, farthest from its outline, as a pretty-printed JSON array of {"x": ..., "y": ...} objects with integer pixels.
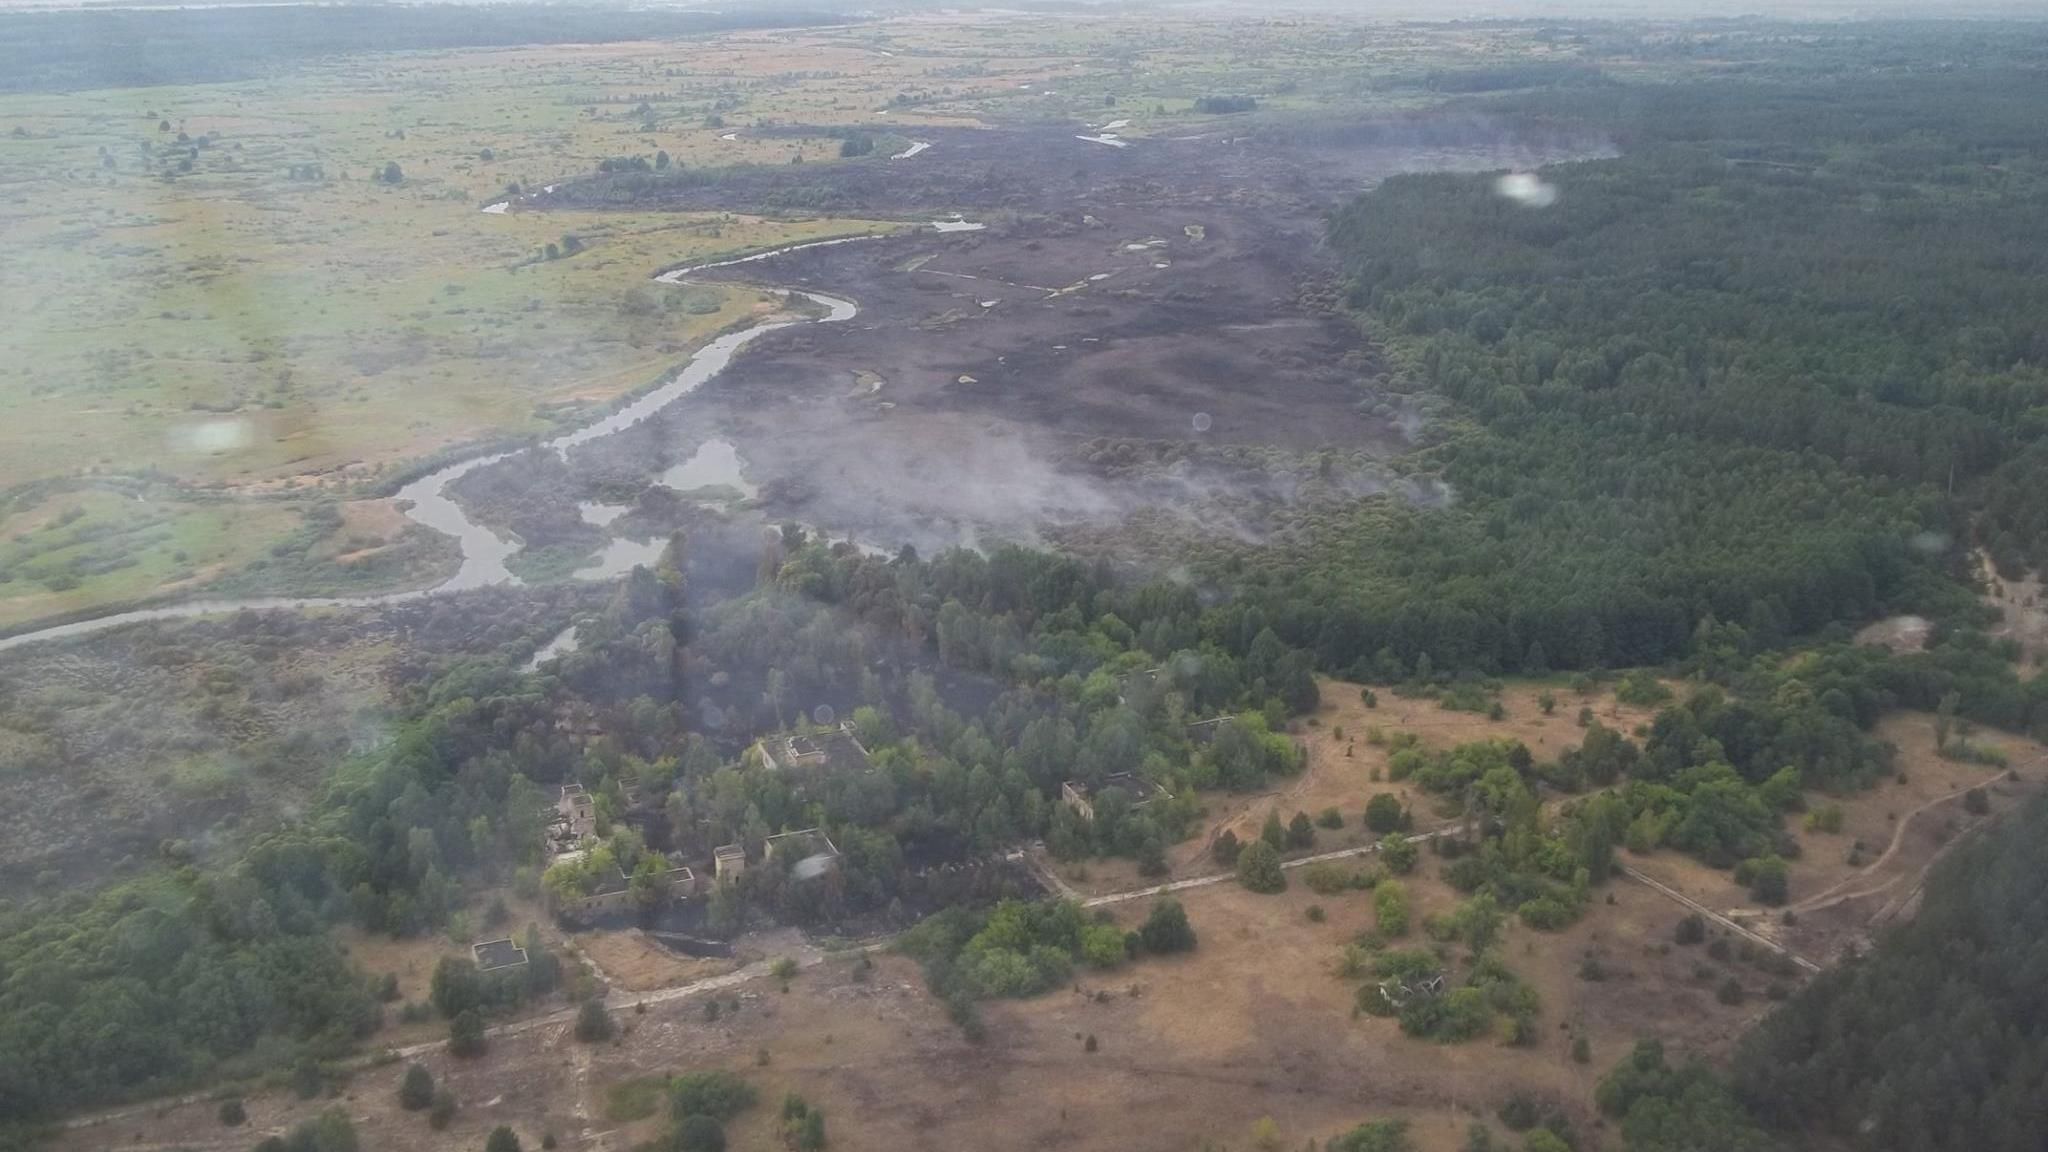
[
  {"x": 1315, "y": 914},
  {"x": 1331, "y": 818},
  {"x": 717, "y": 1094},
  {"x": 1390, "y": 907},
  {"x": 1691, "y": 930},
  {"x": 1767, "y": 878},
  {"x": 1730, "y": 991},
  {"x": 1825, "y": 819},
  {"x": 1976, "y": 802},
  {"x": 502, "y": 1139},
  {"x": 700, "y": 1133},
  {"x": 1641, "y": 689},
  {"x": 1400, "y": 853},
  {"x": 443, "y": 1110},
  {"x": 1325, "y": 879},
  {"x": 232, "y": 1113},
  {"x": 1383, "y": 813}
]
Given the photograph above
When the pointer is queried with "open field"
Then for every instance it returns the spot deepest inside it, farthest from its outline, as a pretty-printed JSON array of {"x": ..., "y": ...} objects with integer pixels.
[
  {"x": 1893, "y": 831},
  {"x": 1255, "y": 1023}
]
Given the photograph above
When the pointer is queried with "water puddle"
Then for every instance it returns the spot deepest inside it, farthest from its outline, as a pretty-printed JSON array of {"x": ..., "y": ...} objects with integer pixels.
[
  {"x": 620, "y": 557},
  {"x": 563, "y": 643},
  {"x": 715, "y": 464},
  {"x": 601, "y": 514}
]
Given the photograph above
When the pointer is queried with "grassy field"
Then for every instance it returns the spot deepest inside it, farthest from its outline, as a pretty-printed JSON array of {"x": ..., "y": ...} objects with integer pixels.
[
  {"x": 218, "y": 288},
  {"x": 275, "y": 321}
]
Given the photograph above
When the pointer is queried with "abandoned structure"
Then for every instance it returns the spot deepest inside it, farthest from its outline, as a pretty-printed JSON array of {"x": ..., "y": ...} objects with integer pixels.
[
  {"x": 614, "y": 891},
  {"x": 1397, "y": 993},
  {"x": 728, "y": 861},
  {"x": 1203, "y": 732},
  {"x": 572, "y": 825},
  {"x": 812, "y": 851},
  {"x": 786, "y": 751},
  {"x": 494, "y": 955},
  {"x": 1076, "y": 794}
]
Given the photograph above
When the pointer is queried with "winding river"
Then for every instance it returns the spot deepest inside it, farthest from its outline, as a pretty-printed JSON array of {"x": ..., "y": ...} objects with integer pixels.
[{"x": 426, "y": 501}]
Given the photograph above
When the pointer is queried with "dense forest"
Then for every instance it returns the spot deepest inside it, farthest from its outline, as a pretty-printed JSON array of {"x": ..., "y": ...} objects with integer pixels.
[
  {"x": 1777, "y": 364},
  {"x": 1939, "y": 1038}
]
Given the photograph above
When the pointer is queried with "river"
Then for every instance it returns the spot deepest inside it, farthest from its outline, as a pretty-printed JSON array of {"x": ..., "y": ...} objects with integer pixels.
[{"x": 425, "y": 501}]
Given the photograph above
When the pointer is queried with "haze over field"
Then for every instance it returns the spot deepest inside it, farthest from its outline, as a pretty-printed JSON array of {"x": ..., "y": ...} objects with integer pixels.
[{"x": 1374, "y": 578}]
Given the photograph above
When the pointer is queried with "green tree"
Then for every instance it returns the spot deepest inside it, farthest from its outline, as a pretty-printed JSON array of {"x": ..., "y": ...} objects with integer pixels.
[
  {"x": 466, "y": 1033},
  {"x": 502, "y": 1139},
  {"x": 1166, "y": 928},
  {"x": 416, "y": 1088},
  {"x": 1258, "y": 868},
  {"x": 1383, "y": 813},
  {"x": 1273, "y": 832},
  {"x": 1301, "y": 832},
  {"x": 593, "y": 1023},
  {"x": 1225, "y": 848}
]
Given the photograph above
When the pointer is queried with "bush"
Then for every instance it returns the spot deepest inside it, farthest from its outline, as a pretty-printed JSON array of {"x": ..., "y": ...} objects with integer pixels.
[
  {"x": 700, "y": 1133},
  {"x": 1825, "y": 819},
  {"x": 232, "y": 1113},
  {"x": 502, "y": 1139},
  {"x": 1258, "y": 869},
  {"x": 443, "y": 1110},
  {"x": 1730, "y": 991},
  {"x": 593, "y": 1023},
  {"x": 1976, "y": 802},
  {"x": 1767, "y": 878},
  {"x": 1400, "y": 853},
  {"x": 416, "y": 1090},
  {"x": 1325, "y": 879},
  {"x": 717, "y": 1094},
  {"x": 1390, "y": 907},
  {"x": 1641, "y": 689},
  {"x": 1315, "y": 914},
  {"x": 1383, "y": 813},
  {"x": 1331, "y": 818},
  {"x": 1691, "y": 930}
]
